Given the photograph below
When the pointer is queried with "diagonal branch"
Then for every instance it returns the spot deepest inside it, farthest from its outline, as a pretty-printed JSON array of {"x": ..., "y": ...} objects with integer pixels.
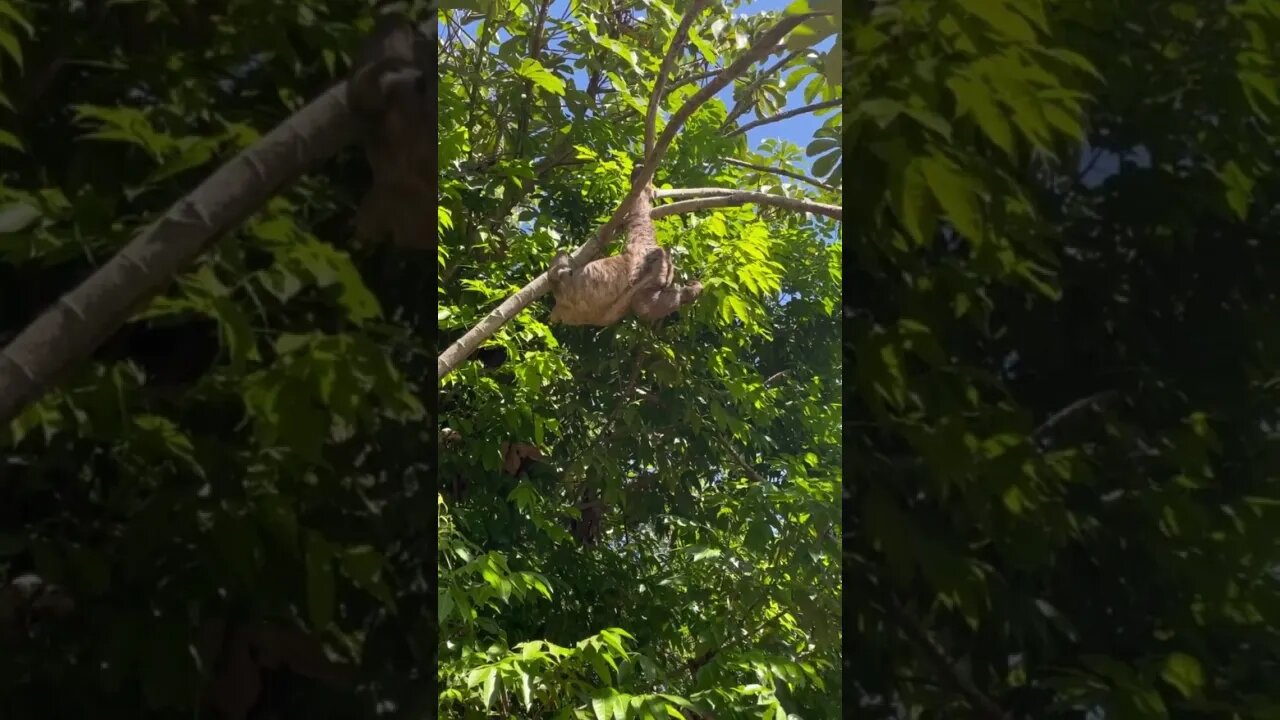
[
  {"x": 659, "y": 84},
  {"x": 783, "y": 116},
  {"x": 741, "y": 462},
  {"x": 462, "y": 348},
  {"x": 83, "y": 318},
  {"x": 1097, "y": 401},
  {"x": 780, "y": 171}
]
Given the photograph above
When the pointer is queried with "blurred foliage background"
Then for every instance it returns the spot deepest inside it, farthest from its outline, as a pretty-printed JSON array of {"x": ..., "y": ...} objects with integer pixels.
[{"x": 1061, "y": 334}]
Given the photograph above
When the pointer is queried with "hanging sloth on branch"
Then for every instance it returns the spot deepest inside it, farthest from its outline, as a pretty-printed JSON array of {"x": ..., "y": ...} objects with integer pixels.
[
  {"x": 638, "y": 279},
  {"x": 388, "y": 95}
]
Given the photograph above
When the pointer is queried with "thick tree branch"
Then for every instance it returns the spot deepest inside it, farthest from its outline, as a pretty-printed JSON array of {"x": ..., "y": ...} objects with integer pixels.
[
  {"x": 83, "y": 318},
  {"x": 784, "y": 115},
  {"x": 779, "y": 171},
  {"x": 716, "y": 197},
  {"x": 659, "y": 84},
  {"x": 465, "y": 345}
]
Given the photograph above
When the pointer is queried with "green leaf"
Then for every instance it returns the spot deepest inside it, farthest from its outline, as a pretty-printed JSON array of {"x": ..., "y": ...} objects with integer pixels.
[
  {"x": 8, "y": 10},
  {"x": 1002, "y": 19},
  {"x": 1255, "y": 83},
  {"x": 526, "y": 689},
  {"x": 444, "y": 606},
  {"x": 601, "y": 665},
  {"x": 9, "y": 43},
  {"x": 954, "y": 192},
  {"x": 492, "y": 685},
  {"x": 929, "y": 120},
  {"x": 9, "y": 140},
  {"x": 975, "y": 98},
  {"x": 541, "y": 77},
  {"x": 1184, "y": 673},
  {"x": 1238, "y": 187},
  {"x": 912, "y": 203},
  {"x": 705, "y": 48},
  {"x": 195, "y": 155},
  {"x": 706, "y": 552},
  {"x": 363, "y": 566},
  {"x": 603, "y": 707}
]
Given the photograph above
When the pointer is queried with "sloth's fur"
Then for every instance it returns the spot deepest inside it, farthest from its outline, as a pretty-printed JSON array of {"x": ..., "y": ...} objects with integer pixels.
[
  {"x": 638, "y": 279},
  {"x": 388, "y": 95}
]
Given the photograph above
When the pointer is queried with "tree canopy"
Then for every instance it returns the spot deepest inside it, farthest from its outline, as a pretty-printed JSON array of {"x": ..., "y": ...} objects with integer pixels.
[{"x": 638, "y": 521}]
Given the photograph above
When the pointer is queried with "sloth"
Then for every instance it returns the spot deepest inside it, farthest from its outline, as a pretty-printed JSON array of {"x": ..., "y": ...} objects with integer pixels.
[
  {"x": 654, "y": 297},
  {"x": 637, "y": 280},
  {"x": 388, "y": 95}
]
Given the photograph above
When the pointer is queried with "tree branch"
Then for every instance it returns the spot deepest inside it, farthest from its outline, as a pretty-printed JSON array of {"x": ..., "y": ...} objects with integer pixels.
[
  {"x": 692, "y": 78},
  {"x": 919, "y": 636},
  {"x": 742, "y": 462},
  {"x": 83, "y": 318},
  {"x": 784, "y": 115},
  {"x": 1097, "y": 401},
  {"x": 715, "y": 197},
  {"x": 659, "y": 83},
  {"x": 465, "y": 345},
  {"x": 780, "y": 171}
]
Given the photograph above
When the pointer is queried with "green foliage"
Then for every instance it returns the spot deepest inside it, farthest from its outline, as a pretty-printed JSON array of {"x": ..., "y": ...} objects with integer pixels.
[
  {"x": 708, "y": 447},
  {"x": 246, "y": 447},
  {"x": 1060, "y": 334}
]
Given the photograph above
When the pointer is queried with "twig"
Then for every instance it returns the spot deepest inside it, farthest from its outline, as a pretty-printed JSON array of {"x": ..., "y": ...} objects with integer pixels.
[
  {"x": 1096, "y": 401},
  {"x": 697, "y": 663},
  {"x": 732, "y": 198},
  {"x": 659, "y": 84},
  {"x": 691, "y": 78},
  {"x": 741, "y": 462},
  {"x": 462, "y": 348},
  {"x": 784, "y": 115},
  {"x": 779, "y": 171},
  {"x": 919, "y": 636},
  {"x": 768, "y": 381}
]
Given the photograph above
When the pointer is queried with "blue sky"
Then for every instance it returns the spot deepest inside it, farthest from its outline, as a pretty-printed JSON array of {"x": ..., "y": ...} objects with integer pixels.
[{"x": 798, "y": 130}]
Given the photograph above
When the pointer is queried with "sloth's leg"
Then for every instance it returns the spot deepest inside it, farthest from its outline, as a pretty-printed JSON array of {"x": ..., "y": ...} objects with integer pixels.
[
  {"x": 654, "y": 269},
  {"x": 657, "y": 304},
  {"x": 560, "y": 267}
]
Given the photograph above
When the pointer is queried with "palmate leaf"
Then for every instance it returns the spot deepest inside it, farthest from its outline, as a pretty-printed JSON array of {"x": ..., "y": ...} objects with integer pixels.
[
  {"x": 955, "y": 194},
  {"x": 974, "y": 98},
  {"x": 1003, "y": 19},
  {"x": 541, "y": 77}
]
